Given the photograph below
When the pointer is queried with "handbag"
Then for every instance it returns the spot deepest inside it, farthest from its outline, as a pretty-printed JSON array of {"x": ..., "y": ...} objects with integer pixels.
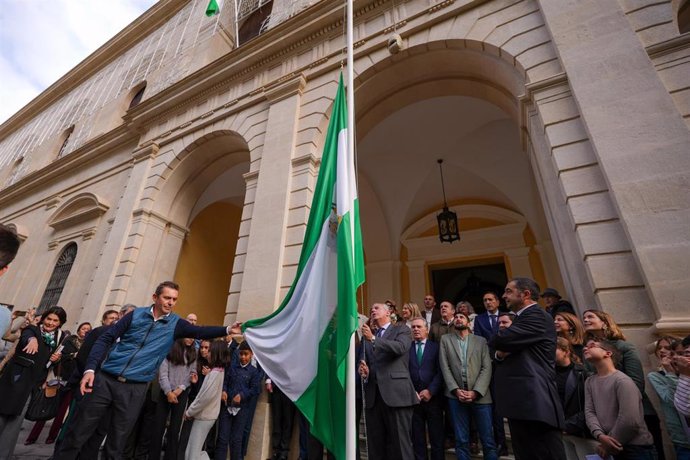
[
  {"x": 44, "y": 403},
  {"x": 44, "y": 400}
]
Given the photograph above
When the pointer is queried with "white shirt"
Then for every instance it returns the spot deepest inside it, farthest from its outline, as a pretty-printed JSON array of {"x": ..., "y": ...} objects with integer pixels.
[{"x": 523, "y": 309}]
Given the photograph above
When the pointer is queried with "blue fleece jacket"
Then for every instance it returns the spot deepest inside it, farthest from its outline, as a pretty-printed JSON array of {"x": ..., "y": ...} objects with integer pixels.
[
  {"x": 245, "y": 381},
  {"x": 144, "y": 343}
]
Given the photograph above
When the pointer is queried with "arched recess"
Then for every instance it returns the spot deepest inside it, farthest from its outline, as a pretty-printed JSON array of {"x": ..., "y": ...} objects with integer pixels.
[
  {"x": 193, "y": 223},
  {"x": 478, "y": 89}
]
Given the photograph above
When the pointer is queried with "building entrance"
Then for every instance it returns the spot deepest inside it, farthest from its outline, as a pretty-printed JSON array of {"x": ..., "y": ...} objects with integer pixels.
[{"x": 468, "y": 281}]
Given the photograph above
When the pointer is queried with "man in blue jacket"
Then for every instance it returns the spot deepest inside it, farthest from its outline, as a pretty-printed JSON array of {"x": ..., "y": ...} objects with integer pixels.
[{"x": 145, "y": 337}]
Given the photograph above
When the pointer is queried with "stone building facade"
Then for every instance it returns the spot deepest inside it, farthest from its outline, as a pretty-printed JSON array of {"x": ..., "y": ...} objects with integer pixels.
[{"x": 179, "y": 151}]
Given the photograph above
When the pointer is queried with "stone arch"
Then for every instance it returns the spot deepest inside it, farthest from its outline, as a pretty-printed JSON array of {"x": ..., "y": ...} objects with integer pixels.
[{"x": 186, "y": 174}]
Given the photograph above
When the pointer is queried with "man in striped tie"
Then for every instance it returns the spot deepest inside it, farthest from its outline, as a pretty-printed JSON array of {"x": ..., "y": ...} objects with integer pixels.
[{"x": 427, "y": 381}]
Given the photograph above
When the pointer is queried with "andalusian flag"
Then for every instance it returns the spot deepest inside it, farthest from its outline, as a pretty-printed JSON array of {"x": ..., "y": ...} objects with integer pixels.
[
  {"x": 213, "y": 7},
  {"x": 303, "y": 345}
]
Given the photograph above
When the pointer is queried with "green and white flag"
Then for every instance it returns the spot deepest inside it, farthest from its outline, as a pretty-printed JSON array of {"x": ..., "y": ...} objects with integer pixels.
[
  {"x": 303, "y": 345},
  {"x": 213, "y": 7}
]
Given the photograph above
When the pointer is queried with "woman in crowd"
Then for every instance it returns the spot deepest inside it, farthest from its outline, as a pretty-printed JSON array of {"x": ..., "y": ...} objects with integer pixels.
[
  {"x": 569, "y": 327},
  {"x": 601, "y": 325},
  {"x": 664, "y": 381},
  {"x": 408, "y": 312},
  {"x": 63, "y": 372},
  {"x": 175, "y": 376},
  {"x": 25, "y": 371},
  {"x": 206, "y": 406},
  {"x": 570, "y": 381}
]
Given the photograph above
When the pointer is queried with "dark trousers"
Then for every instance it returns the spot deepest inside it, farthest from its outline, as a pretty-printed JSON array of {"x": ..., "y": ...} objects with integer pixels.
[
  {"x": 283, "y": 416},
  {"x": 230, "y": 433},
  {"x": 534, "y": 440},
  {"x": 654, "y": 427},
  {"x": 139, "y": 439},
  {"x": 165, "y": 409},
  {"x": 631, "y": 452},
  {"x": 122, "y": 400},
  {"x": 427, "y": 417},
  {"x": 499, "y": 426},
  {"x": 251, "y": 408},
  {"x": 388, "y": 431}
]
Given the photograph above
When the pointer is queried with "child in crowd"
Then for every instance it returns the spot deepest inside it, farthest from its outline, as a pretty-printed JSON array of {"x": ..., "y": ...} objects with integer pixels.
[
  {"x": 205, "y": 407},
  {"x": 570, "y": 382},
  {"x": 242, "y": 383},
  {"x": 613, "y": 407},
  {"x": 175, "y": 376}
]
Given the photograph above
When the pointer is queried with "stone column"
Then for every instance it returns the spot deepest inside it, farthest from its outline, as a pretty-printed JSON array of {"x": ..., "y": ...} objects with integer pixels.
[
  {"x": 640, "y": 141},
  {"x": 115, "y": 265},
  {"x": 416, "y": 270},
  {"x": 265, "y": 247},
  {"x": 262, "y": 275}
]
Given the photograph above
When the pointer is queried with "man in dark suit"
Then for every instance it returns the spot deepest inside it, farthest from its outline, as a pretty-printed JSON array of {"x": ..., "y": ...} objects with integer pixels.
[
  {"x": 525, "y": 376},
  {"x": 430, "y": 312},
  {"x": 486, "y": 325},
  {"x": 388, "y": 390},
  {"x": 426, "y": 379}
]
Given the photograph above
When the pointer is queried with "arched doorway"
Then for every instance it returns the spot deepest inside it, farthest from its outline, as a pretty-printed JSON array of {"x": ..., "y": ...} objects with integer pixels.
[
  {"x": 204, "y": 193},
  {"x": 460, "y": 105}
]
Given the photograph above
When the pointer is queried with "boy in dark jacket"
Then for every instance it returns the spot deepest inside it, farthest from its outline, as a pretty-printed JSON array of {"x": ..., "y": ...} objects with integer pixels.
[{"x": 242, "y": 383}]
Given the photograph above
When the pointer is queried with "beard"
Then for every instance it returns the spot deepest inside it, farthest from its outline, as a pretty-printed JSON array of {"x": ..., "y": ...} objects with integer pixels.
[{"x": 461, "y": 327}]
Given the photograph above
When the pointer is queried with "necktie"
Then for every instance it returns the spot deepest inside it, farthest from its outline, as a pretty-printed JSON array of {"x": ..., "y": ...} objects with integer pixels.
[
  {"x": 379, "y": 332},
  {"x": 419, "y": 352},
  {"x": 493, "y": 321}
]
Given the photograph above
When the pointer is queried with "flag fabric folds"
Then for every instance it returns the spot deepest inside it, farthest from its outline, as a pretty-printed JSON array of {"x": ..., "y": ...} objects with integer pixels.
[
  {"x": 213, "y": 8},
  {"x": 303, "y": 345}
]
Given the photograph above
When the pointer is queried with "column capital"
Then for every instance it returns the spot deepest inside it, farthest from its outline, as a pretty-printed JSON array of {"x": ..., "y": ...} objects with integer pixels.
[{"x": 290, "y": 86}]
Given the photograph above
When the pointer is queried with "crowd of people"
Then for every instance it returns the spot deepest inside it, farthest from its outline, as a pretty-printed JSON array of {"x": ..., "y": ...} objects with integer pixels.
[
  {"x": 569, "y": 387},
  {"x": 146, "y": 383}
]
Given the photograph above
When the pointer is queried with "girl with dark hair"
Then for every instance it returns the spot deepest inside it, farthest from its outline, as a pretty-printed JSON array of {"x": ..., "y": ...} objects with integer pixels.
[
  {"x": 601, "y": 325},
  {"x": 25, "y": 371},
  {"x": 206, "y": 406},
  {"x": 64, "y": 371},
  {"x": 175, "y": 376}
]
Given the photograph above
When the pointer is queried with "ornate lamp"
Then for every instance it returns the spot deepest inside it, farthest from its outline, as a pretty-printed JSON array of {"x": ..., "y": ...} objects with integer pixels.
[{"x": 447, "y": 219}]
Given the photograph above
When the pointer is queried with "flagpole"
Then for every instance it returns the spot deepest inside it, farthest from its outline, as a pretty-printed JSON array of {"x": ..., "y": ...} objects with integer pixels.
[{"x": 350, "y": 417}]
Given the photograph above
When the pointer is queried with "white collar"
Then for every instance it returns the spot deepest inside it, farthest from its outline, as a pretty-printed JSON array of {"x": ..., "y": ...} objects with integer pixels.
[{"x": 519, "y": 312}]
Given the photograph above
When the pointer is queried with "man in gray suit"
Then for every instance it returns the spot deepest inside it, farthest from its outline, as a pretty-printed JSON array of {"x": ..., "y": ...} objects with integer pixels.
[
  {"x": 466, "y": 369},
  {"x": 388, "y": 391}
]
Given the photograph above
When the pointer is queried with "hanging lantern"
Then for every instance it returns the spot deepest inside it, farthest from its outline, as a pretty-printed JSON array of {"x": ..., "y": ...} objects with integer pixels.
[{"x": 447, "y": 219}]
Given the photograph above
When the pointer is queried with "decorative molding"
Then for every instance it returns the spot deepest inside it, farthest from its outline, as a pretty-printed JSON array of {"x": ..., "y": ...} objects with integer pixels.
[
  {"x": 290, "y": 86},
  {"x": 147, "y": 216},
  {"x": 306, "y": 160},
  {"x": 666, "y": 326},
  {"x": 251, "y": 176},
  {"x": 81, "y": 208},
  {"x": 669, "y": 46},
  {"x": 52, "y": 202},
  {"x": 84, "y": 234},
  {"x": 147, "y": 151}
]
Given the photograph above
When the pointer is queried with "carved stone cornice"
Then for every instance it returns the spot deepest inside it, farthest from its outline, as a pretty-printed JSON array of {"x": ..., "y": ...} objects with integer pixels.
[{"x": 290, "y": 86}]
